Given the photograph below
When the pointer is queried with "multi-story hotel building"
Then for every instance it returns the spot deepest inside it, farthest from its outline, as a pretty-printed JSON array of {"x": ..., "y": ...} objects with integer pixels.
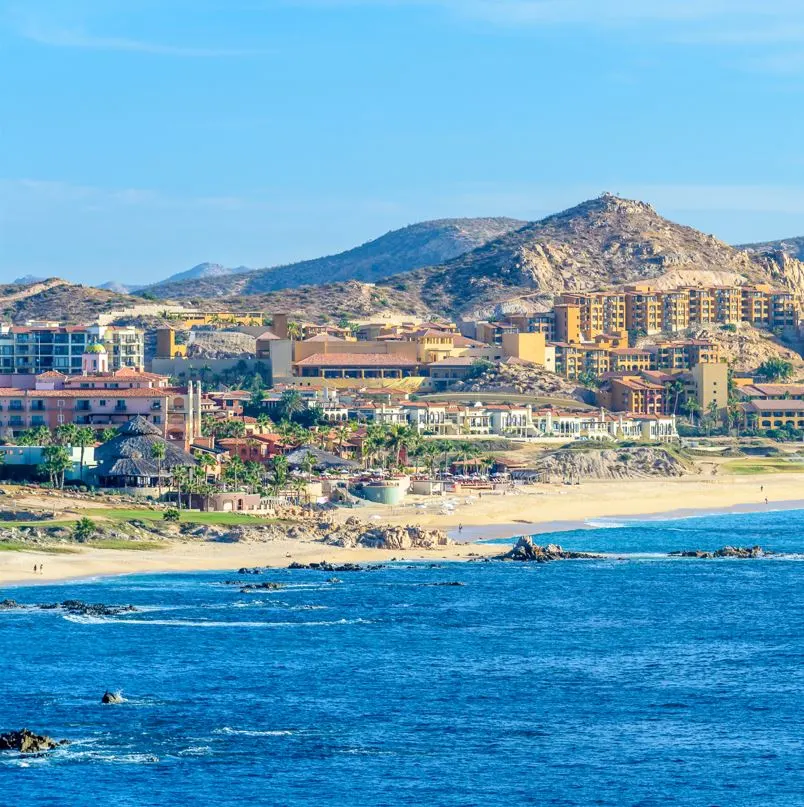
[{"x": 40, "y": 347}]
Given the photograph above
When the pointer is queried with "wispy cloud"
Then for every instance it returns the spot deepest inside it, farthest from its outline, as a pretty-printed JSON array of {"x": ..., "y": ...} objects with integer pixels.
[
  {"x": 41, "y": 194},
  {"x": 45, "y": 26}
]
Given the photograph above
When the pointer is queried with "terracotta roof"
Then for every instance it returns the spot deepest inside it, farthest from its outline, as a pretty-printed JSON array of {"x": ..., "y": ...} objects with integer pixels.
[
  {"x": 776, "y": 406},
  {"x": 324, "y": 337},
  {"x": 355, "y": 360},
  {"x": 52, "y": 374}
]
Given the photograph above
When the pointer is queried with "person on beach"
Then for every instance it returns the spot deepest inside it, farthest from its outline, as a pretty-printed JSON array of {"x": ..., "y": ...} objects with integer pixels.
[
  {"x": 460, "y": 527},
  {"x": 41, "y": 568},
  {"x": 34, "y": 568}
]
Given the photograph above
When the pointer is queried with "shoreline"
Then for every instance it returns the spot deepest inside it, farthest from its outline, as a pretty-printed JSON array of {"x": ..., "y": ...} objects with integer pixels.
[
  {"x": 470, "y": 535},
  {"x": 533, "y": 511}
]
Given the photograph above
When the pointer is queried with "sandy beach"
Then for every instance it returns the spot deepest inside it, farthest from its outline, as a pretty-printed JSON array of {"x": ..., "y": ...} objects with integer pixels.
[{"x": 540, "y": 509}]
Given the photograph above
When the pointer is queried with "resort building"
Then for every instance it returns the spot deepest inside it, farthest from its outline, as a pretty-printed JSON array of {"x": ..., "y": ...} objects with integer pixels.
[{"x": 39, "y": 347}]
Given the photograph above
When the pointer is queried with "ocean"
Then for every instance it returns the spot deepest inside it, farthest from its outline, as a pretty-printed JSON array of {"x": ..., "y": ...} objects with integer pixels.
[{"x": 632, "y": 680}]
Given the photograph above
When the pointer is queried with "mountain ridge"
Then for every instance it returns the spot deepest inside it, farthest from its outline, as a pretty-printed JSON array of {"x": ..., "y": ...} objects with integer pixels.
[{"x": 410, "y": 247}]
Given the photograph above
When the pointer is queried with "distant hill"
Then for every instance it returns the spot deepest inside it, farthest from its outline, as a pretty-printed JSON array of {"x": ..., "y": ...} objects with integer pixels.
[
  {"x": 418, "y": 245},
  {"x": 604, "y": 242},
  {"x": 56, "y": 299},
  {"x": 792, "y": 247},
  {"x": 199, "y": 272}
]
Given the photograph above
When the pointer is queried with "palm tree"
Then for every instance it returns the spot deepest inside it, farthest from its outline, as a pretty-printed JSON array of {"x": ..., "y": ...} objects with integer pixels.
[
  {"x": 263, "y": 421},
  {"x": 234, "y": 468},
  {"x": 676, "y": 389},
  {"x": 281, "y": 471},
  {"x": 294, "y": 329},
  {"x": 66, "y": 433},
  {"x": 108, "y": 434},
  {"x": 57, "y": 462},
  {"x": 37, "y": 436},
  {"x": 84, "y": 437},
  {"x": 692, "y": 407},
  {"x": 308, "y": 464},
  {"x": 291, "y": 403},
  {"x": 206, "y": 461},
  {"x": 343, "y": 432},
  {"x": 158, "y": 451},
  {"x": 429, "y": 450},
  {"x": 400, "y": 437}
]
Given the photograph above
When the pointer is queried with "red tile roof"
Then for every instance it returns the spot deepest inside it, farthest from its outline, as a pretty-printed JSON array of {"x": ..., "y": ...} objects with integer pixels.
[{"x": 355, "y": 360}]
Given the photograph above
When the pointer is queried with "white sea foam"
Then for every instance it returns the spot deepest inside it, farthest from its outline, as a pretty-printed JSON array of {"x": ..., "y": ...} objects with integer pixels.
[
  {"x": 190, "y": 623},
  {"x": 229, "y": 731},
  {"x": 604, "y": 524}
]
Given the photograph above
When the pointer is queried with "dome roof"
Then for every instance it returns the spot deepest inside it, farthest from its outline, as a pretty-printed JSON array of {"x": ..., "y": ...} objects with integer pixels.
[{"x": 95, "y": 347}]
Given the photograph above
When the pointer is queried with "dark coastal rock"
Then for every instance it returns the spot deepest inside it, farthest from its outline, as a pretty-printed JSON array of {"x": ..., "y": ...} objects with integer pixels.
[
  {"x": 251, "y": 570},
  {"x": 526, "y": 551},
  {"x": 26, "y": 742},
  {"x": 724, "y": 552},
  {"x": 73, "y": 607},
  {"x": 112, "y": 697},
  {"x": 94, "y": 609},
  {"x": 330, "y": 567},
  {"x": 269, "y": 586}
]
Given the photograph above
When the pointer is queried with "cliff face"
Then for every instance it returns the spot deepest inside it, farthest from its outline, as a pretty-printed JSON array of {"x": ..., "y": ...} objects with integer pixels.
[
  {"x": 605, "y": 242},
  {"x": 792, "y": 247}
]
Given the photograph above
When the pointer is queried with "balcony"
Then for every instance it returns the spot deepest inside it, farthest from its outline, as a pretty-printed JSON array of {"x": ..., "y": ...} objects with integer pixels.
[{"x": 120, "y": 407}]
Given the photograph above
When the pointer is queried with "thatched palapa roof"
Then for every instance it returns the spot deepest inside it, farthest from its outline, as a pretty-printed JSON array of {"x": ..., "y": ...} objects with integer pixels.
[{"x": 130, "y": 453}]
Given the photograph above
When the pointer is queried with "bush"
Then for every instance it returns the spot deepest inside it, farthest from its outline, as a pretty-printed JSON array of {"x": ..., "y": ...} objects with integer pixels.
[
  {"x": 84, "y": 529},
  {"x": 171, "y": 514}
]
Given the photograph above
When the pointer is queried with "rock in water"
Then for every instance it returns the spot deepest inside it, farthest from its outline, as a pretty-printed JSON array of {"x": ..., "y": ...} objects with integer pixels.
[
  {"x": 270, "y": 586},
  {"x": 112, "y": 697},
  {"x": 26, "y": 742},
  {"x": 724, "y": 552},
  {"x": 526, "y": 550}
]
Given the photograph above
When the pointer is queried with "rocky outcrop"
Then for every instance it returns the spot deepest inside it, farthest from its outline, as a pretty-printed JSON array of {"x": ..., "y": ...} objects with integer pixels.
[
  {"x": 526, "y": 551},
  {"x": 354, "y": 532},
  {"x": 268, "y": 586},
  {"x": 575, "y": 464},
  {"x": 94, "y": 609},
  {"x": 75, "y": 607},
  {"x": 112, "y": 698},
  {"x": 725, "y": 552},
  {"x": 522, "y": 378},
  {"x": 26, "y": 742},
  {"x": 324, "y": 566}
]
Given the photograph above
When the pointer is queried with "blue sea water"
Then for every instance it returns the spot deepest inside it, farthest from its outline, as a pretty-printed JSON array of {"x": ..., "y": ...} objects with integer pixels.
[{"x": 637, "y": 681}]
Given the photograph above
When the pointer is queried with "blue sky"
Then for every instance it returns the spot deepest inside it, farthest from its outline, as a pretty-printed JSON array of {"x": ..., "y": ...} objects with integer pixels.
[{"x": 140, "y": 137}]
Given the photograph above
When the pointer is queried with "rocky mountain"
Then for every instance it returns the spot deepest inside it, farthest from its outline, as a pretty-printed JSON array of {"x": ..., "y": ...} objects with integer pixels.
[
  {"x": 424, "y": 244},
  {"x": 792, "y": 247},
  {"x": 56, "y": 299},
  {"x": 199, "y": 272},
  {"x": 604, "y": 242}
]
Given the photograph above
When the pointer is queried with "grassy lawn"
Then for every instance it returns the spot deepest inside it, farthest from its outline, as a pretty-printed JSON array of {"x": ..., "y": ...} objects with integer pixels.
[
  {"x": 763, "y": 466},
  {"x": 19, "y": 546},
  {"x": 132, "y": 546},
  {"x": 189, "y": 517}
]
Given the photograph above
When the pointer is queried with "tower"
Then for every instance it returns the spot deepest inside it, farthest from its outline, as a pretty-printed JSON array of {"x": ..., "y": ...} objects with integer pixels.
[{"x": 94, "y": 359}]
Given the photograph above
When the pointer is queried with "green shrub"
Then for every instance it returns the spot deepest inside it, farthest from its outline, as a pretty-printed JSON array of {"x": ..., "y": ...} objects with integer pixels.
[{"x": 171, "y": 514}]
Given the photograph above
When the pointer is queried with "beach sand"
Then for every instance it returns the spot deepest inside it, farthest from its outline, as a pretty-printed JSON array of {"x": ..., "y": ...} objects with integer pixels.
[{"x": 532, "y": 510}]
